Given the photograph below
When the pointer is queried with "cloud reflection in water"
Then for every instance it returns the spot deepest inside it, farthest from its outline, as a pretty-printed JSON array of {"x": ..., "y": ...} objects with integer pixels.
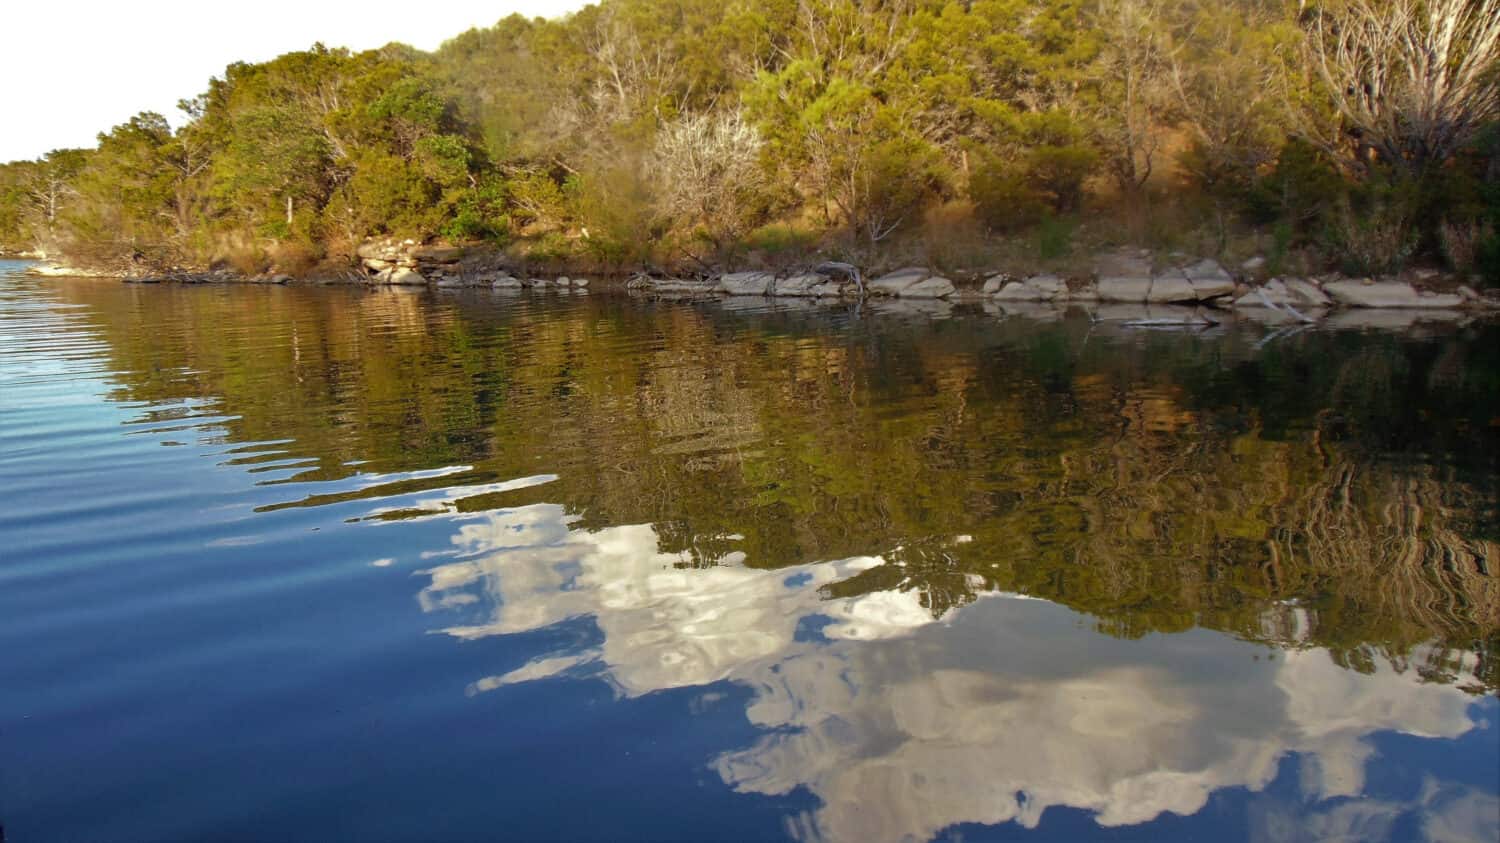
[{"x": 904, "y": 724}]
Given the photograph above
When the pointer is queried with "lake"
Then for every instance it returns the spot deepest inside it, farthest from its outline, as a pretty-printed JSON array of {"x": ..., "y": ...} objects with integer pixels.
[{"x": 311, "y": 563}]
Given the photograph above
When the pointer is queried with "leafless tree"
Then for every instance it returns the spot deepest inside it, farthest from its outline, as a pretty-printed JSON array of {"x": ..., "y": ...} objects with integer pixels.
[
  {"x": 1410, "y": 80},
  {"x": 1136, "y": 66},
  {"x": 707, "y": 172}
]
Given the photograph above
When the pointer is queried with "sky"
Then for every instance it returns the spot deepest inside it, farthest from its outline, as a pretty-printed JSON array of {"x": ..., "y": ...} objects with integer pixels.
[{"x": 69, "y": 70}]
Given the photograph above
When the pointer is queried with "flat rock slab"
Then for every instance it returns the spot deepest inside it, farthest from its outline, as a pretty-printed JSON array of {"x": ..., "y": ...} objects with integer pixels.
[
  {"x": 667, "y": 285},
  {"x": 1392, "y": 294},
  {"x": 1167, "y": 288},
  {"x": 1021, "y": 291},
  {"x": 1308, "y": 292},
  {"x": 1124, "y": 289},
  {"x": 798, "y": 285},
  {"x": 746, "y": 283}
]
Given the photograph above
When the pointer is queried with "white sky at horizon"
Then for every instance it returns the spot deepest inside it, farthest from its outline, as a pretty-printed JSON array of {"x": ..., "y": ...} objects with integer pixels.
[{"x": 70, "y": 70}]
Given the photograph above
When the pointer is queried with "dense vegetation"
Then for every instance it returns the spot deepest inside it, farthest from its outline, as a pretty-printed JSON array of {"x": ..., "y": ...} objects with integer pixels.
[{"x": 701, "y": 132}]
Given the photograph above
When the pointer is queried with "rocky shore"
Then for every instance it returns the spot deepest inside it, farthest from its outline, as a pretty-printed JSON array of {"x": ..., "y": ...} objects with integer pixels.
[{"x": 1128, "y": 285}]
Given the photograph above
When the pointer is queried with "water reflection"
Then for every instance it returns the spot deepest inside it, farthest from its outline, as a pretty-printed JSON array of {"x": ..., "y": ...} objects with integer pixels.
[
  {"x": 904, "y": 724},
  {"x": 955, "y": 566}
]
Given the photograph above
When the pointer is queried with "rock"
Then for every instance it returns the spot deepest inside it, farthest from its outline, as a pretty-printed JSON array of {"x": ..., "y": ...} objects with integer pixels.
[
  {"x": 1271, "y": 294},
  {"x": 1049, "y": 285},
  {"x": 436, "y": 254},
  {"x": 1123, "y": 289},
  {"x": 931, "y": 288},
  {"x": 538, "y": 283},
  {"x": 1209, "y": 280},
  {"x": 563, "y": 281},
  {"x": 1309, "y": 293},
  {"x": 1387, "y": 294},
  {"x": 1468, "y": 293},
  {"x": 1168, "y": 288},
  {"x": 376, "y": 250},
  {"x": 1020, "y": 291},
  {"x": 281, "y": 278},
  {"x": 805, "y": 284},
  {"x": 680, "y": 286},
  {"x": 377, "y": 265},
  {"x": 1253, "y": 265},
  {"x": 446, "y": 283},
  {"x": 405, "y": 276},
  {"x": 580, "y": 282},
  {"x": 994, "y": 284},
  {"x": 506, "y": 282},
  {"x": 746, "y": 283},
  {"x": 895, "y": 282}
]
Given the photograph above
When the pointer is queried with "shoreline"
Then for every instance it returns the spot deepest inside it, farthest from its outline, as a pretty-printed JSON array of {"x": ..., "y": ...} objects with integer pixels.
[{"x": 1126, "y": 285}]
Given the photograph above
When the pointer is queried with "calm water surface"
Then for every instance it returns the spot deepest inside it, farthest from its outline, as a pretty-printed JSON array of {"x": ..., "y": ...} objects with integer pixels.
[{"x": 317, "y": 563}]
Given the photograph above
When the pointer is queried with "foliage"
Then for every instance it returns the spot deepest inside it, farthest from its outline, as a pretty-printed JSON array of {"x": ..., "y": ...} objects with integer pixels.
[{"x": 648, "y": 132}]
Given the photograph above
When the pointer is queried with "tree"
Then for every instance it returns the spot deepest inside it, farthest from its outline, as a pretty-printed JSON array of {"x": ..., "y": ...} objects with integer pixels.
[
  {"x": 708, "y": 174},
  {"x": 1410, "y": 81}
]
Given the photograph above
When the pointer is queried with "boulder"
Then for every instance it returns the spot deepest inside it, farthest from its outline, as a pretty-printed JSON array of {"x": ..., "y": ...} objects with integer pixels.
[
  {"x": 1124, "y": 288},
  {"x": 580, "y": 282},
  {"x": 746, "y": 283},
  {"x": 506, "y": 282},
  {"x": 448, "y": 283},
  {"x": 406, "y": 277},
  {"x": 995, "y": 283},
  {"x": 895, "y": 282},
  {"x": 931, "y": 288},
  {"x": 376, "y": 250},
  {"x": 1387, "y": 294}
]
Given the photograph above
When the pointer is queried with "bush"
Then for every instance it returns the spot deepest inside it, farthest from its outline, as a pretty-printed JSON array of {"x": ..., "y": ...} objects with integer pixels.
[{"x": 1378, "y": 240}]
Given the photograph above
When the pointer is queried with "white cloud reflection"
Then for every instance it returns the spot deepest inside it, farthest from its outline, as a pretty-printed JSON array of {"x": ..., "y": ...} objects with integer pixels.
[{"x": 903, "y": 725}]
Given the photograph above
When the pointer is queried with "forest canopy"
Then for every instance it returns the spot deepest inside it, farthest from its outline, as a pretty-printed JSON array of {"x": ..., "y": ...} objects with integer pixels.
[{"x": 700, "y": 133}]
